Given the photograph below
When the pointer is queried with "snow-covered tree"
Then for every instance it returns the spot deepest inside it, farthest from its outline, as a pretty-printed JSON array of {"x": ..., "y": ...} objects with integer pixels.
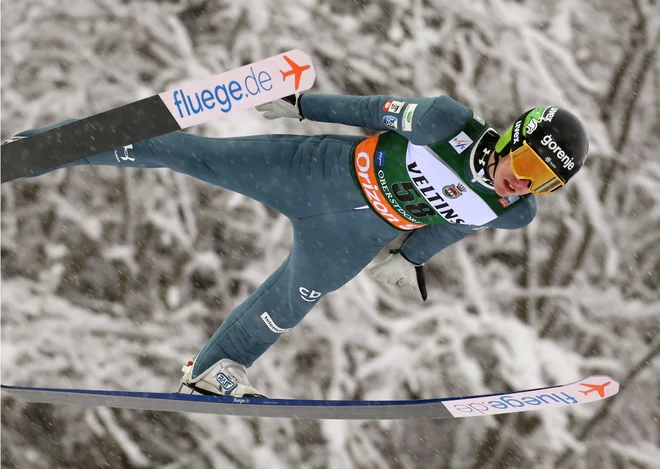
[{"x": 114, "y": 278}]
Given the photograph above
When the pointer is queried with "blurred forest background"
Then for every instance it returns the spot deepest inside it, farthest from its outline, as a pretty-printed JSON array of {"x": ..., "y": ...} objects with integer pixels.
[{"x": 114, "y": 278}]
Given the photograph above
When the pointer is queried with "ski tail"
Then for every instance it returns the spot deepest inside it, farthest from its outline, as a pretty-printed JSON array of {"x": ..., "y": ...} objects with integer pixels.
[
  {"x": 185, "y": 106},
  {"x": 102, "y": 132}
]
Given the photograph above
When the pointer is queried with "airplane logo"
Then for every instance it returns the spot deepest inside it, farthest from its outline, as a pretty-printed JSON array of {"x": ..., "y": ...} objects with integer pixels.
[
  {"x": 296, "y": 70},
  {"x": 599, "y": 388}
]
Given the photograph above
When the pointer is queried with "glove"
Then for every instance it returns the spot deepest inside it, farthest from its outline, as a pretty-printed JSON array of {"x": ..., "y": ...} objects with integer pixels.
[
  {"x": 397, "y": 270},
  {"x": 289, "y": 106}
]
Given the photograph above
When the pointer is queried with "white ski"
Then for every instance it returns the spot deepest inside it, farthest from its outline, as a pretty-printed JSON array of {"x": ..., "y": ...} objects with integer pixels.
[{"x": 591, "y": 389}]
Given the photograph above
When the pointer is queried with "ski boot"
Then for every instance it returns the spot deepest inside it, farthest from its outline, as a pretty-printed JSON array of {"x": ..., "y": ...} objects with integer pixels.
[{"x": 224, "y": 378}]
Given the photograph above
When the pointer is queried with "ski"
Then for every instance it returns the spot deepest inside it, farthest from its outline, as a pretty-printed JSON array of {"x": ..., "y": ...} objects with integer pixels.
[
  {"x": 179, "y": 108},
  {"x": 591, "y": 389}
]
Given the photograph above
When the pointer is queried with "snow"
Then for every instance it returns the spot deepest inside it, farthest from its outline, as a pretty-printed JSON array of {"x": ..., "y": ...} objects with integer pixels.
[
  {"x": 99, "y": 266},
  {"x": 130, "y": 448}
]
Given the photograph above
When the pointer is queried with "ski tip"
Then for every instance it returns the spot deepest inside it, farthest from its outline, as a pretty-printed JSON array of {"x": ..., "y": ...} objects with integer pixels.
[
  {"x": 591, "y": 389},
  {"x": 598, "y": 386}
]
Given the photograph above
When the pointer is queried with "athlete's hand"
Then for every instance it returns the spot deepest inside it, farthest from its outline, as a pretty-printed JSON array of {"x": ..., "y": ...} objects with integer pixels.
[
  {"x": 397, "y": 270},
  {"x": 289, "y": 106}
]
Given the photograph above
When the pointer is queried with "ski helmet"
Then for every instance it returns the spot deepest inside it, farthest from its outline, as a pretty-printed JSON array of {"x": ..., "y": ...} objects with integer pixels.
[{"x": 548, "y": 146}]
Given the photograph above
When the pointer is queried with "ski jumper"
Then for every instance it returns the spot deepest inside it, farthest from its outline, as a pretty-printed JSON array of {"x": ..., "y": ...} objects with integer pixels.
[{"x": 346, "y": 196}]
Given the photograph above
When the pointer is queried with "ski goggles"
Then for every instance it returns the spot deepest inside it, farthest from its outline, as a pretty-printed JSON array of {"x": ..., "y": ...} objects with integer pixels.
[{"x": 527, "y": 164}]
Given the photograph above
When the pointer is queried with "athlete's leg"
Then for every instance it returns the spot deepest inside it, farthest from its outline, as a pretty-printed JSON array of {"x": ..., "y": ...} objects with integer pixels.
[
  {"x": 297, "y": 175},
  {"x": 328, "y": 251}
]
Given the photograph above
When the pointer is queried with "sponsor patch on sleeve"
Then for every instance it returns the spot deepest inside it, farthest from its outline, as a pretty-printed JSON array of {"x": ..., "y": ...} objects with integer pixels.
[
  {"x": 506, "y": 201},
  {"x": 396, "y": 106},
  {"x": 391, "y": 121},
  {"x": 393, "y": 106},
  {"x": 408, "y": 117}
]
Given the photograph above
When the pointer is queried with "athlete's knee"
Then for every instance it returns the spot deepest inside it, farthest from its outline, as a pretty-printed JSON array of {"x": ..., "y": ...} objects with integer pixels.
[
  {"x": 294, "y": 309},
  {"x": 301, "y": 299},
  {"x": 291, "y": 309},
  {"x": 310, "y": 295}
]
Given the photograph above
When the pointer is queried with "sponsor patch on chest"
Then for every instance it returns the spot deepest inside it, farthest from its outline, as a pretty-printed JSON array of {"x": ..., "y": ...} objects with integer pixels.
[
  {"x": 444, "y": 189},
  {"x": 461, "y": 142}
]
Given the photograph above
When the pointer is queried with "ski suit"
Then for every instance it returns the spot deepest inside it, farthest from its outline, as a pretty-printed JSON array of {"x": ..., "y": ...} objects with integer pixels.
[{"x": 312, "y": 181}]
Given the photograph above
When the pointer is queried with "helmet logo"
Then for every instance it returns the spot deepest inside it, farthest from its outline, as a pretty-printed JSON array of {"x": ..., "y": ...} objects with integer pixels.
[
  {"x": 566, "y": 161},
  {"x": 516, "y": 132},
  {"x": 549, "y": 114},
  {"x": 531, "y": 126}
]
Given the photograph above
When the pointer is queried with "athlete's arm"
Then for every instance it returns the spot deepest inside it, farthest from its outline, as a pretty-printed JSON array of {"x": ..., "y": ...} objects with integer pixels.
[
  {"x": 423, "y": 121},
  {"x": 428, "y": 240},
  {"x": 519, "y": 216}
]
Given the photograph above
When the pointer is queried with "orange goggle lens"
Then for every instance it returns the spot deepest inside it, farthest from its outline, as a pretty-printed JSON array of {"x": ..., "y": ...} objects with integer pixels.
[{"x": 527, "y": 164}]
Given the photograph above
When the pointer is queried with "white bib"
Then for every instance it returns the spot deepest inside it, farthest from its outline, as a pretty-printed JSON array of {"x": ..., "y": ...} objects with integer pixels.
[{"x": 444, "y": 189}]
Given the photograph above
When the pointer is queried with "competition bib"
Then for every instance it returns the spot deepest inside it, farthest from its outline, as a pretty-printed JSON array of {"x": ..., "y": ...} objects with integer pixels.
[{"x": 444, "y": 190}]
